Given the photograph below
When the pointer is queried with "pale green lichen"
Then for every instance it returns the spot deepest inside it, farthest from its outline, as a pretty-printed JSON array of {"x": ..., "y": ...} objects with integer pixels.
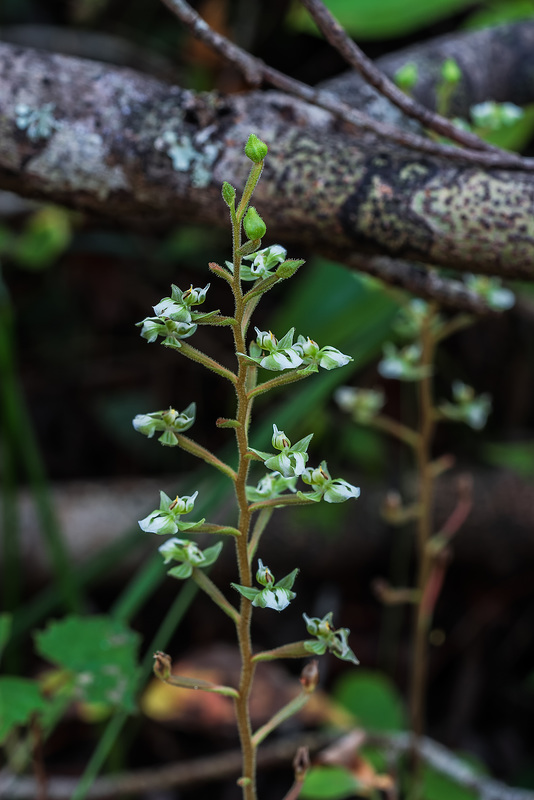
[
  {"x": 39, "y": 123},
  {"x": 185, "y": 157},
  {"x": 78, "y": 158}
]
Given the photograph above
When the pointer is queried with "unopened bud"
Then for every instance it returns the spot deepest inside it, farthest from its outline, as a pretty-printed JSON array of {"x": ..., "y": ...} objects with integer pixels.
[
  {"x": 450, "y": 71},
  {"x": 253, "y": 224},
  {"x": 162, "y": 665},
  {"x": 228, "y": 193},
  {"x": 255, "y": 149},
  {"x": 309, "y": 677}
]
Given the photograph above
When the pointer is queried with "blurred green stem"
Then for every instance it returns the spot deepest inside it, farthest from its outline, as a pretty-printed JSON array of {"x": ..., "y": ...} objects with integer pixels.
[{"x": 21, "y": 439}]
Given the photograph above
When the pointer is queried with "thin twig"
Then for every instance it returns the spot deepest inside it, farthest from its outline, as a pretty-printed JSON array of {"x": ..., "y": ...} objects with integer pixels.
[
  {"x": 447, "y": 763},
  {"x": 257, "y": 72},
  {"x": 137, "y": 782},
  {"x": 228, "y": 764},
  {"x": 424, "y": 282},
  {"x": 350, "y": 51}
]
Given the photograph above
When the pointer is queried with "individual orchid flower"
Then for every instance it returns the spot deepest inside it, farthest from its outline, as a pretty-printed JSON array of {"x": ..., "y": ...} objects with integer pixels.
[
  {"x": 333, "y": 490},
  {"x": 280, "y": 353},
  {"x": 314, "y": 357},
  {"x": 404, "y": 364},
  {"x": 189, "y": 554},
  {"x": 170, "y": 422},
  {"x": 291, "y": 461},
  {"x": 263, "y": 263},
  {"x": 467, "y": 406},
  {"x": 276, "y": 594},
  {"x": 491, "y": 290},
  {"x": 336, "y": 641},
  {"x": 270, "y": 486},
  {"x": 166, "y": 519},
  {"x": 363, "y": 404}
]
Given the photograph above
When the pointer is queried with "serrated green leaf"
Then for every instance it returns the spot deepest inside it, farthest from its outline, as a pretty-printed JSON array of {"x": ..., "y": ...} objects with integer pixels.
[
  {"x": 100, "y": 651},
  {"x": 20, "y": 698}
]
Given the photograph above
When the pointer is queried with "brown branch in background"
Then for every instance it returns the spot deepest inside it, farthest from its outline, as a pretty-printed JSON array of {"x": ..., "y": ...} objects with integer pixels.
[
  {"x": 421, "y": 281},
  {"x": 256, "y": 71},
  {"x": 227, "y": 765},
  {"x": 350, "y": 51},
  {"x": 191, "y": 773}
]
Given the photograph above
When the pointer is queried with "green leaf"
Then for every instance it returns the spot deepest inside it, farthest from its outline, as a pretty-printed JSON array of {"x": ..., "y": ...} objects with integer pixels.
[
  {"x": 100, "y": 651},
  {"x": 515, "y": 456},
  {"x": 329, "y": 783},
  {"x": 373, "y": 699},
  {"x": 368, "y": 19},
  {"x": 20, "y": 698},
  {"x": 436, "y": 786}
]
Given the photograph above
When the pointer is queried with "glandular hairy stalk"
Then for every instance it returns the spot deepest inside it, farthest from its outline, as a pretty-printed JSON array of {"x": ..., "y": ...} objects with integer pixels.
[{"x": 176, "y": 320}]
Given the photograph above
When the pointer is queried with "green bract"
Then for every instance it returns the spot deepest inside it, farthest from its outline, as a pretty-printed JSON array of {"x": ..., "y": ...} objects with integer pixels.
[
  {"x": 170, "y": 422},
  {"x": 166, "y": 520},
  {"x": 275, "y": 595},
  {"x": 190, "y": 554},
  {"x": 292, "y": 460},
  {"x": 467, "y": 407},
  {"x": 328, "y": 639},
  {"x": 333, "y": 490}
]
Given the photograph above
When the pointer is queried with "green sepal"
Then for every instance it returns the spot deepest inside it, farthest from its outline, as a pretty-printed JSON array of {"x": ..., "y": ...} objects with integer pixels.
[
  {"x": 288, "y": 581},
  {"x": 182, "y": 571},
  {"x": 315, "y": 646},
  {"x": 247, "y": 591}
]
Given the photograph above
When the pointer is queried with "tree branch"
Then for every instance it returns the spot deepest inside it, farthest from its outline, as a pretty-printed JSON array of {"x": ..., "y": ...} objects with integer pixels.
[
  {"x": 254, "y": 67},
  {"x": 350, "y": 51}
]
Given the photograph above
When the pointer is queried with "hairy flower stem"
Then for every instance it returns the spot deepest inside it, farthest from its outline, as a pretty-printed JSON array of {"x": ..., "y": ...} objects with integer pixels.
[
  {"x": 424, "y": 532},
  {"x": 244, "y": 403}
]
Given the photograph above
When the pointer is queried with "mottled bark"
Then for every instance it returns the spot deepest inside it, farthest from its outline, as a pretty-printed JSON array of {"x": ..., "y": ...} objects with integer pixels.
[{"x": 110, "y": 153}]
